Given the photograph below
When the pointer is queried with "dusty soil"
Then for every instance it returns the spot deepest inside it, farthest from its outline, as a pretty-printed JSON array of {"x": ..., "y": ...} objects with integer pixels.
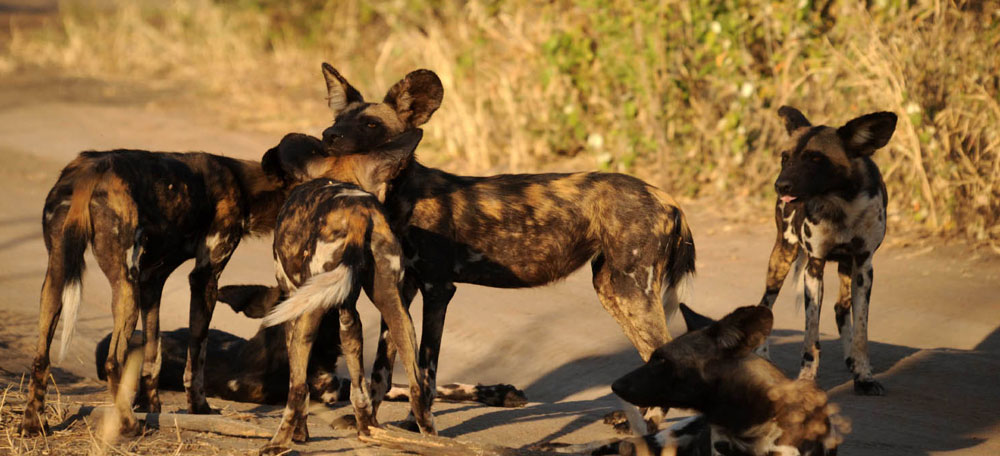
[{"x": 934, "y": 318}]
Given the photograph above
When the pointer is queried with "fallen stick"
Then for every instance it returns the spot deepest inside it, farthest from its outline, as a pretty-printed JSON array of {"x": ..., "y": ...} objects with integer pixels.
[
  {"x": 434, "y": 445},
  {"x": 216, "y": 424}
]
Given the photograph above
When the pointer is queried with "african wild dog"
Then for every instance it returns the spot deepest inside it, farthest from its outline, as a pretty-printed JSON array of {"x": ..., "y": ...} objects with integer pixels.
[
  {"x": 331, "y": 240},
  {"x": 747, "y": 406},
  {"x": 144, "y": 214},
  {"x": 256, "y": 370},
  {"x": 521, "y": 230},
  {"x": 831, "y": 206}
]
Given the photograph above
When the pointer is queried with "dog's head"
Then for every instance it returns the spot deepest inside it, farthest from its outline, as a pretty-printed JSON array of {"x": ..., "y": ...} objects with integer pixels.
[
  {"x": 682, "y": 373},
  {"x": 818, "y": 160},
  {"x": 369, "y": 144},
  {"x": 299, "y": 158}
]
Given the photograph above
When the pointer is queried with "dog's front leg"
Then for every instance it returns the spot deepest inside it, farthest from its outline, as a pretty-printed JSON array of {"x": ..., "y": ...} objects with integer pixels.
[
  {"x": 861, "y": 289},
  {"x": 813, "y": 298},
  {"x": 436, "y": 299}
]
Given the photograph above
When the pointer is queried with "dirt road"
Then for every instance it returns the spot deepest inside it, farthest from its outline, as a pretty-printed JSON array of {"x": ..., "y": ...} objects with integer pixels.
[{"x": 934, "y": 318}]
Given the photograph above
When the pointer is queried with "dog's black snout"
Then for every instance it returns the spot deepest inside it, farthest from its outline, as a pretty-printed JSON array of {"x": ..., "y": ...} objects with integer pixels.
[
  {"x": 783, "y": 187},
  {"x": 330, "y": 135}
]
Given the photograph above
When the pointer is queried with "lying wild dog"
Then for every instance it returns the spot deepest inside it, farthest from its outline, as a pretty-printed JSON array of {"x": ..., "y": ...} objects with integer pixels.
[
  {"x": 746, "y": 405},
  {"x": 831, "y": 206},
  {"x": 144, "y": 214},
  {"x": 256, "y": 370},
  {"x": 513, "y": 231},
  {"x": 331, "y": 240}
]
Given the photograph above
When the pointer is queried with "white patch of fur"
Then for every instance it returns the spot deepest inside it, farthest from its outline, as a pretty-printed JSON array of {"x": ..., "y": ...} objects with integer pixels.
[
  {"x": 71, "y": 296},
  {"x": 475, "y": 256},
  {"x": 395, "y": 262},
  {"x": 321, "y": 291},
  {"x": 789, "y": 234},
  {"x": 635, "y": 421},
  {"x": 649, "y": 280},
  {"x": 672, "y": 297},
  {"x": 323, "y": 253},
  {"x": 353, "y": 193},
  {"x": 328, "y": 397},
  {"x": 233, "y": 385}
]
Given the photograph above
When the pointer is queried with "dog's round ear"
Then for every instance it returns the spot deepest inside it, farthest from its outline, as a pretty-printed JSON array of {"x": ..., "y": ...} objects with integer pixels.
[
  {"x": 290, "y": 159},
  {"x": 866, "y": 134},
  {"x": 416, "y": 97},
  {"x": 743, "y": 330},
  {"x": 271, "y": 163},
  {"x": 794, "y": 119}
]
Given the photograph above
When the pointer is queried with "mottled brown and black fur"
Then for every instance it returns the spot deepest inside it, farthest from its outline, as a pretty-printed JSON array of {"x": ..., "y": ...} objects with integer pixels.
[
  {"x": 521, "y": 230},
  {"x": 144, "y": 214},
  {"x": 831, "y": 207},
  {"x": 747, "y": 406},
  {"x": 256, "y": 370},
  {"x": 331, "y": 241}
]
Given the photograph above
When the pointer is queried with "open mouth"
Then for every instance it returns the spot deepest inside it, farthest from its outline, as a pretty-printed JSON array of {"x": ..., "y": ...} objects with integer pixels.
[{"x": 787, "y": 198}]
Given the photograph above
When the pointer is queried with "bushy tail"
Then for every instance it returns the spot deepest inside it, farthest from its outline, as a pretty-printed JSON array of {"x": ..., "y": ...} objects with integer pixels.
[
  {"x": 680, "y": 265},
  {"x": 322, "y": 291},
  {"x": 77, "y": 232}
]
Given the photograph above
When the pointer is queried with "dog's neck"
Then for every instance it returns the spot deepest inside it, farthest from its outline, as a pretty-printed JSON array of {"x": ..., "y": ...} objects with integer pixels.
[{"x": 265, "y": 194}]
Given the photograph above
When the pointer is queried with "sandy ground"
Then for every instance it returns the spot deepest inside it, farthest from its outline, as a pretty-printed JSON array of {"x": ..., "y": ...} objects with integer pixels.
[{"x": 934, "y": 318}]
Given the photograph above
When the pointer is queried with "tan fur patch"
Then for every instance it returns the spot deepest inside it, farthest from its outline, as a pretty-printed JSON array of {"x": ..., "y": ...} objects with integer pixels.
[{"x": 388, "y": 117}]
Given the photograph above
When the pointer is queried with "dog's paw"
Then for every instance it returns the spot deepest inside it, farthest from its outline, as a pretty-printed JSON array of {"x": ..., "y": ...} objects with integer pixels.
[
  {"x": 618, "y": 421},
  {"x": 32, "y": 424},
  {"x": 345, "y": 423},
  {"x": 273, "y": 450},
  {"x": 868, "y": 388}
]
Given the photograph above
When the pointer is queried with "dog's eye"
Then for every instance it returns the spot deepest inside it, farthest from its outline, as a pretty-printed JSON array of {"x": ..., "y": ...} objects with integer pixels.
[
  {"x": 371, "y": 125},
  {"x": 784, "y": 157}
]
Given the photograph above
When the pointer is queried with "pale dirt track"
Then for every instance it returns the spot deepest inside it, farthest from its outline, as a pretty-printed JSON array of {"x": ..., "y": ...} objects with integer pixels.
[{"x": 934, "y": 317}]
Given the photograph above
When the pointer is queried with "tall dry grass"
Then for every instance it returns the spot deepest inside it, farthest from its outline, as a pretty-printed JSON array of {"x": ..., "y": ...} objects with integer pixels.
[{"x": 680, "y": 92}]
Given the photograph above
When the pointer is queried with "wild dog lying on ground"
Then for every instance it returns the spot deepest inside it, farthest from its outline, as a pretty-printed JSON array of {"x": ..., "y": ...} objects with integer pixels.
[
  {"x": 332, "y": 239},
  {"x": 831, "y": 206},
  {"x": 746, "y": 405},
  {"x": 256, "y": 370},
  {"x": 144, "y": 214},
  {"x": 513, "y": 231}
]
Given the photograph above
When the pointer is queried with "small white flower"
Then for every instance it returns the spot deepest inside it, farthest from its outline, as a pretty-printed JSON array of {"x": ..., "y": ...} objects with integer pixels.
[
  {"x": 595, "y": 141},
  {"x": 715, "y": 27},
  {"x": 746, "y": 90}
]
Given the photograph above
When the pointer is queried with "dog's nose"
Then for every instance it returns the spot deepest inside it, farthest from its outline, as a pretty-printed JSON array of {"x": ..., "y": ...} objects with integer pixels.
[
  {"x": 330, "y": 135},
  {"x": 783, "y": 187}
]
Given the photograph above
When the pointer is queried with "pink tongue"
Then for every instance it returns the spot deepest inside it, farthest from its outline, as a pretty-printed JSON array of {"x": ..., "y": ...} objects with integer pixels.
[{"x": 787, "y": 198}]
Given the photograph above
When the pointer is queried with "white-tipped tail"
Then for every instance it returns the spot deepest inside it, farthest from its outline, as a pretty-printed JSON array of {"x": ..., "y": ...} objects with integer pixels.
[
  {"x": 71, "y": 296},
  {"x": 321, "y": 291},
  {"x": 682, "y": 291}
]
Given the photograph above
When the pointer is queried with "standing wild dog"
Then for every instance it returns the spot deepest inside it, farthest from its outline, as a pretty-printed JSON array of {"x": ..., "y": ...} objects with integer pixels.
[
  {"x": 144, "y": 214},
  {"x": 519, "y": 230},
  {"x": 831, "y": 206},
  {"x": 747, "y": 406},
  {"x": 332, "y": 239}
]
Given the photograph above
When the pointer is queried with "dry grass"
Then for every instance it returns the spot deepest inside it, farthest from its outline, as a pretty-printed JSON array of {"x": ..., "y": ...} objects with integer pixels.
[{"x": 683, "y": 93}]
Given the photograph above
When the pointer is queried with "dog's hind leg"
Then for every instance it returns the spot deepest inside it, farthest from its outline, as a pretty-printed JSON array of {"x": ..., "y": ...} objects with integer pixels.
[
  {"x": 843, "y": 308},
  {"x": 149, "y": 293},
  {"x": 299, "y": 334},
  {"x": 813, "y": 297},
  {"x": 385, "y": 355},
  {"x": 638, "y": 310},
  {"x": 861, "y": 289},
  {"x": 49, "y": 310},
  {"x": 387, "y": 299}
]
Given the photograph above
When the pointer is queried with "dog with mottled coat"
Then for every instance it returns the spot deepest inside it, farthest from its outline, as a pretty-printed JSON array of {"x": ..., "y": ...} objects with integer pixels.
[
  {"x": 333, "y": 240},
  {"x": 831, "y": 207},
  {"x": 144, "y": 214},
  {"x": 517, "y": 230}
]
